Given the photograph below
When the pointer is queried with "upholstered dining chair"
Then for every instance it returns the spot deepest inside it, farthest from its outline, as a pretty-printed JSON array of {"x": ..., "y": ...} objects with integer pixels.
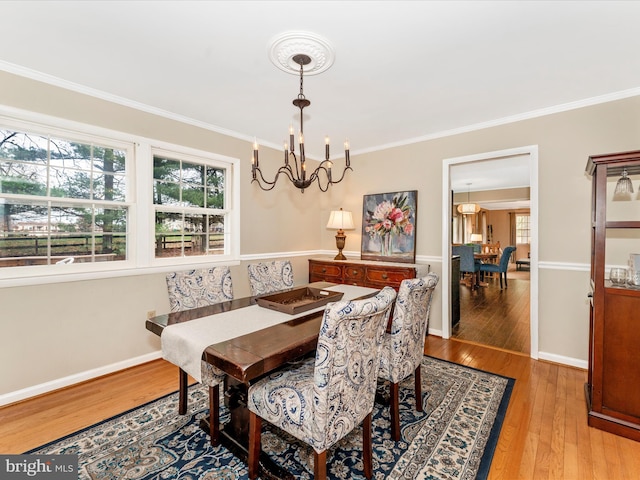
[
  {"x": 268, "y": 277},
  {"x": 322, "y": 399},
  {"x": 501, "y": 267},
  {"x": 403, "y": 345},
  {"x": 192, "y": 289},
  {"x": 468, "y": 263}
]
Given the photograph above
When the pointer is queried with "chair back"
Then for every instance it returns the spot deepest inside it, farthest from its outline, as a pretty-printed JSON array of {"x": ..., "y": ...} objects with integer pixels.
[
  {"x": 405, "y": 342},
  {"x": 491, "y": 248},
  {"x": 199, "y": 288},
  {"x": 504, "y": 259},
  {"x": 347, "y": 363},
  {"x": 270, "y": 277},
  {"x": 467, "y": 260}
]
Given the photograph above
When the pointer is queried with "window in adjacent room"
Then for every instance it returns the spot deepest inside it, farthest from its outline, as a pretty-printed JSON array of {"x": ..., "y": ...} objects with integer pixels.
[{"x": 523, "y": 229}]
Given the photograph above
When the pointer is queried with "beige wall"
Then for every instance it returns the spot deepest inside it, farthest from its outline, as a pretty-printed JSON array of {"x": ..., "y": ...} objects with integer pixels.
[
  {"x": 500, "y": 221},
  {"x": 66, "y": 329}
]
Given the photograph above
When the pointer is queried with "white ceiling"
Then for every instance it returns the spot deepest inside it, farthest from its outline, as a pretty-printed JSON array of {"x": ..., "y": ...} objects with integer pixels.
[
  {"x": 404, "y": 70},
  {"x": 493, "y": 174}
]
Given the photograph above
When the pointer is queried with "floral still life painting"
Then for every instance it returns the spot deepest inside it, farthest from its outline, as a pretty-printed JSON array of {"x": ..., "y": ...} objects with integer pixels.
[{"x": 389, "y": 227}]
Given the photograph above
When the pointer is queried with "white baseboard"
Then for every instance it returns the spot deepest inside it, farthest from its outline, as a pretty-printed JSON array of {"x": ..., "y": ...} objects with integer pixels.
[
  {"x": 437, "y": 333},
  {"x": 58, "y": 383},
  {"x": 570, "y": 361}
]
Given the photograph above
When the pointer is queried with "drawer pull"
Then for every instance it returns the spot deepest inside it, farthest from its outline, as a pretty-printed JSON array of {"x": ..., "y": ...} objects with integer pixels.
[
  {"x": 355, "y": 272},
  {"x": 384, "y": 276},
  {"x": 324, "y": 270}
]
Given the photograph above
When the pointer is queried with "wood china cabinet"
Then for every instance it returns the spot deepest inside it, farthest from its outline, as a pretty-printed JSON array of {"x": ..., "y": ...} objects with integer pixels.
[{"x": 613, "y": 385}]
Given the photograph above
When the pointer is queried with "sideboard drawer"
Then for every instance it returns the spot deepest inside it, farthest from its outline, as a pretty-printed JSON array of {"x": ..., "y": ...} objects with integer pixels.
[
  {"x": 325, "y": 272},
  {"x": 363, "y": 273},
  {"x": 386, "y": 276},
  {"x": 353, "y": 274}
]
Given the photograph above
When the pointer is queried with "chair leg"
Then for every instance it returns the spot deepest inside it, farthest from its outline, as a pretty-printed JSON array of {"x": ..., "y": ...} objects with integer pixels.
[
  {"x": 418, "y": 388},
  {"x": 505, "y": 280},
  {"x": 214, "y": 415},
  {"x": 182, "y": 396},
  {"x": 394, "y": 411},
  {"x": 500, "y": 280},
  {"x": 367, "y": 447},
  {"x": 320, "y": 465},
  {"x": 255, "y": 426}
]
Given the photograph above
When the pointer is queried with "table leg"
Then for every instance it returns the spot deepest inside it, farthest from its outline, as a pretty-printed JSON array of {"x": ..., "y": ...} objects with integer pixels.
[{"x": 235, "y": 434}]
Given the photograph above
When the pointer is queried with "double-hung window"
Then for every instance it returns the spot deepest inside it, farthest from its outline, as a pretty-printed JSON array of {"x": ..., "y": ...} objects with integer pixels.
[
  {"x": 190, "y": 202},
  {"x": 62, "y": 199},
  {"x": 77, "y": 199},
  {"x": 523, "y": 229}
]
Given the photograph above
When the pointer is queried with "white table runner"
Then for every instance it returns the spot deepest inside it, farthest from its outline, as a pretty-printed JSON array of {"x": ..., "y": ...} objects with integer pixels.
[{"x": 184, "y": 343}]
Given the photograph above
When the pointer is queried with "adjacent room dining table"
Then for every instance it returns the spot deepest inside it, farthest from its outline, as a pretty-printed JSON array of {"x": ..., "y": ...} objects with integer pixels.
[
  {"x": 485, "y": 257},
  {"x": 246, "y": 341}
]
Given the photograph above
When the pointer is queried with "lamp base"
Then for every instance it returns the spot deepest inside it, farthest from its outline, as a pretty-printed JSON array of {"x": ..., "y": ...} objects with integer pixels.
[{"x": 340, "y": 241}]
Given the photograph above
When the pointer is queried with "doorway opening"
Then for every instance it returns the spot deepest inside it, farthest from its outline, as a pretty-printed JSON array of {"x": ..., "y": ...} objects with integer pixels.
[{"x": 496, "y": 175}]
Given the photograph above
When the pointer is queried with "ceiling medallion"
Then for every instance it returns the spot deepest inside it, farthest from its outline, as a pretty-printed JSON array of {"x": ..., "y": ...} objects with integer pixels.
[{"x": 284, "y": 47}]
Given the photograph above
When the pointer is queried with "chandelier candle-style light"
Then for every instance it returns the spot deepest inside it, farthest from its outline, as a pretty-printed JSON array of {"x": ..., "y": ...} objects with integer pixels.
[{"x": 295, "y": 166}]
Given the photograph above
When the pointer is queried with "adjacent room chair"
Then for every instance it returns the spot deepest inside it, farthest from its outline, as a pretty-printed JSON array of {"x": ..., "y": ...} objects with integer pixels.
[
  {"x": 199, "y": 288},
  {"x": 468, "y": 263},
  {"x": 403, "y": 346},
  {"x": 501, "y": 267},
  {"x": 322, "y": 399},
  {"x": 270, "y": 277}
]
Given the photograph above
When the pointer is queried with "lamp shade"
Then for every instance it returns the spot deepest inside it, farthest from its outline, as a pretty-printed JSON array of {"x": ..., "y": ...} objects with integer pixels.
[
  {"x": 340, "y": 220},
  {"x": 468, "y": 208},
  {"x": 476, "y": 237}
]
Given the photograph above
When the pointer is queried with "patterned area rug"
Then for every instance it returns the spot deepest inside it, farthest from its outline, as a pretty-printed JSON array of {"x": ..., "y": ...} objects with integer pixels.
[{"x": 454, "y": 438}]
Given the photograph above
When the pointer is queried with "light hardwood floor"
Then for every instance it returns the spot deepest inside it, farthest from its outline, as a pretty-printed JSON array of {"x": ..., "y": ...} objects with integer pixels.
[{"x": 544, "y": 435}]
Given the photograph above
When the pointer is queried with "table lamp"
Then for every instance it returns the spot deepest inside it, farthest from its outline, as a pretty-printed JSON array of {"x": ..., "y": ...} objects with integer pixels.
[
  {"x": 476, "y": 237},
  {"x": 340, "y": 220}
]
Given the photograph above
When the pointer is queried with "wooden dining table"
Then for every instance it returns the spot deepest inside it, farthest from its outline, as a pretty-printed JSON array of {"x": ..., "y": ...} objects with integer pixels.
[
  {"x": 485, "y": 257},
  {"x": 246, "y": 358}
]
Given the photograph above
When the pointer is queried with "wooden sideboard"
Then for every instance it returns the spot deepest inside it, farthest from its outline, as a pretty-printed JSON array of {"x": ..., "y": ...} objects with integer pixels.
[{"x": 364, "y": 273}]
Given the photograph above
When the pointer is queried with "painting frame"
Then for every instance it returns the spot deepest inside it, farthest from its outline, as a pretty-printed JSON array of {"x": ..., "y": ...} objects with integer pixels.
[{"x": 389, "y": 222}]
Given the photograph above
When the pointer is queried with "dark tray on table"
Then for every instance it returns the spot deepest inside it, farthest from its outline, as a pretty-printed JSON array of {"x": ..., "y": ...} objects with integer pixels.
[{"x": 299, "y": 299}]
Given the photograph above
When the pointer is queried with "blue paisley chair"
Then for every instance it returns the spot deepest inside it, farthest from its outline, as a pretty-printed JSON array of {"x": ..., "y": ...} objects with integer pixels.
[
  {"x": 322, "y": 399},
  {"x": 403, "y": 346},
  {"x": 270, "y": 277},
  {"x": 193, "y": 289}
]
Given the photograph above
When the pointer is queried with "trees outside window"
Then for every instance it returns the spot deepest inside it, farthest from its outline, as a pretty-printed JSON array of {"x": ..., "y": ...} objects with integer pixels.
[
  {"x": 70, "y": 196},
  {"x": 189, "y": 201},
  {"x": 60, "y": 198}
]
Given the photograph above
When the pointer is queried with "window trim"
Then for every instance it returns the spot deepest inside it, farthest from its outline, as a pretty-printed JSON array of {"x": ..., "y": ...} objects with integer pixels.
[{"x": 139, "y": 172}]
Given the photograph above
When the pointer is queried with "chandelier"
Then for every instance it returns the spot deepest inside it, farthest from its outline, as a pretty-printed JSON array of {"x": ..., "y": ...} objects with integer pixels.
[
  {"x": 295, "y": 165},
  {"x": 468, "y": 208}
]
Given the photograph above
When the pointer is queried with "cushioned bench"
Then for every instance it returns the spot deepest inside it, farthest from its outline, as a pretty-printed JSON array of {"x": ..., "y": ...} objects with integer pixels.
[{"x": 523, "y": 264}]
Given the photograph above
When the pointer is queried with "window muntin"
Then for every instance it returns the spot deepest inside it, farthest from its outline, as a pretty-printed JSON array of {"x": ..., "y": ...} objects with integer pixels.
[
  {"x": 523, "y": 229},
  {"x": 189, "y": 201},
  {"x": 61, "y": 198}
]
